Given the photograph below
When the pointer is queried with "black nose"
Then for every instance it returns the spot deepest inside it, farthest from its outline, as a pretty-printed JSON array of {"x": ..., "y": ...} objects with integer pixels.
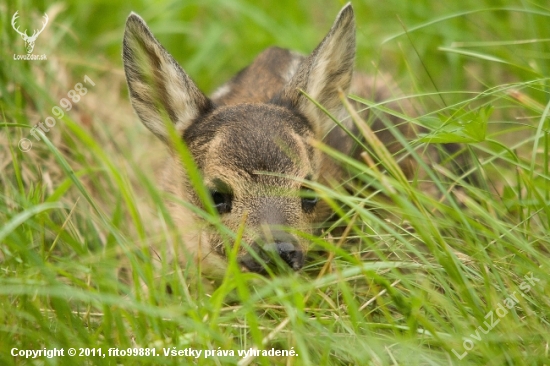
[
  {"x": 288, "y": 253},
  {"x": 271, "y": 254}
]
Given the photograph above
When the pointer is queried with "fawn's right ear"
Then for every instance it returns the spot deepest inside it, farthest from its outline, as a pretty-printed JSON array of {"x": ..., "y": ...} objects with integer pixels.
[
  {"x": 328, "y": 69},
  {"x": 159, "y": 88}
]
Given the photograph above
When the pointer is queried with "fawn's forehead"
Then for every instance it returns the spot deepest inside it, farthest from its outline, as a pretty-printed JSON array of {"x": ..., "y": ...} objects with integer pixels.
[{"x": 252, "y": 138}]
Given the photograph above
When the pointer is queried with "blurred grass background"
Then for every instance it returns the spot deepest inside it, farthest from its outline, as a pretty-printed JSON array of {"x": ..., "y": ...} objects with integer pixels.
[{"x": 78, "y": 207}]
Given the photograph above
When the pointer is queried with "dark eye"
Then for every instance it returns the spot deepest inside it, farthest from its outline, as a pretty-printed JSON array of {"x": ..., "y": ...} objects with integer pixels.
[
  {"x": 222, "y": 201},
  {"x": 222, "y": 196},
  {"x": 309, "y": 199}
]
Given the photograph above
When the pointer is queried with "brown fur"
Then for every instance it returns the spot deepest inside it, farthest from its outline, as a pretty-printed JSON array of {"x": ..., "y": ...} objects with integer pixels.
[{"x": 251, "y": 140}]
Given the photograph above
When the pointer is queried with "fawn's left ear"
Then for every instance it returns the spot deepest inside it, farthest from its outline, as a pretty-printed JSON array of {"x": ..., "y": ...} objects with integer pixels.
[
  {"x": 328, "y": 69},
  {"x": 159, "y": 88}
]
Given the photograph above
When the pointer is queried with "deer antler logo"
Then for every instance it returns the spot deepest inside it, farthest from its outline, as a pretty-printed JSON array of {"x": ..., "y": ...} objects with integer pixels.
[{"x": 29, "y": 41}]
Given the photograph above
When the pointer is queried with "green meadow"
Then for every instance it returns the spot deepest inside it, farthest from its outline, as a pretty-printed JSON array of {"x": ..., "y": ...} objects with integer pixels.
[{"x": 459, "y": 276}]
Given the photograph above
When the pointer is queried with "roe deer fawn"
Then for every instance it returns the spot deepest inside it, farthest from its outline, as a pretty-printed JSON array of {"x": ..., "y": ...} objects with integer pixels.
[{"x": 251, "y": 140}]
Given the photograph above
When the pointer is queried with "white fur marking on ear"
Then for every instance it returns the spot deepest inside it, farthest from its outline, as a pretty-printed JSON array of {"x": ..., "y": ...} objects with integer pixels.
[
  {"x": 221, "y": 91},
  {"x": 293, "y": 66},
  {"x": 326, "y": 71},
  {"x": 158, "y": 85}
]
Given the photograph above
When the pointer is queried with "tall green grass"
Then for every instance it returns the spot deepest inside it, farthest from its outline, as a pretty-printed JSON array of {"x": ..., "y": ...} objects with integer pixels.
[{"x": 408, "y": 281}]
